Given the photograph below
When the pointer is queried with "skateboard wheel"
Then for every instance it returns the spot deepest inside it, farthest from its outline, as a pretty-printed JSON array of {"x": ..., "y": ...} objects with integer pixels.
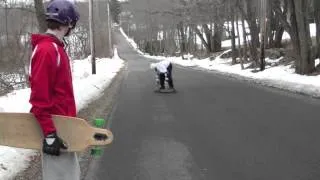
[
  {"x": 97, "y": 152},
  {"x": 99, "y": 122}
]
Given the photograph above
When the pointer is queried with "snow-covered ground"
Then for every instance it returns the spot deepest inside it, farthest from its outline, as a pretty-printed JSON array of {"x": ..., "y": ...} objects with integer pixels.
[
  {"x": 87, "y": 88},
  {"x": 281, "y": 76}
]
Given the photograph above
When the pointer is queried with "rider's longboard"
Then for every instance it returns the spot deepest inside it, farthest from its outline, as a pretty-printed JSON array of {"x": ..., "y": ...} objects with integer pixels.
[
  {"x": 165, "y": 90},
  {"x": 22, "y": 130}
]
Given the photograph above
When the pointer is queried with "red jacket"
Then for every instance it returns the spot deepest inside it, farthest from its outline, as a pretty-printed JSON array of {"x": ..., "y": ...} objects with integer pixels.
[{"x": 50, "y": 81}]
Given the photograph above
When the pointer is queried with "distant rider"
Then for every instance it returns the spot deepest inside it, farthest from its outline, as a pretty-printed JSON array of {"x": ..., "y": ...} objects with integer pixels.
[{"x": 163, "y": 69}]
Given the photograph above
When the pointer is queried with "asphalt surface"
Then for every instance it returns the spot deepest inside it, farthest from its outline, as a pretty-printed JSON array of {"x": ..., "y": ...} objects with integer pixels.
[{"x": 214, "y": 128}]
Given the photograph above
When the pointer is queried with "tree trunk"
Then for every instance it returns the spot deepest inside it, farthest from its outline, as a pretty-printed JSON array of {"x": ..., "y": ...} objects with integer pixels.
[
  {"x": 38, "y": 4},
  {"x": 199, "y": 33},
  {"x": 183, "y": 48},
  {"x": 279, "y": 25},
  {"x": 317, "y": 20},
  {"x": 195, "y": 42},
  {"x": 208, "y": 34},
  {"x": 211, "y": 34},
  {"x": 233, "y": 41},
  {"x": 271, "y": 26},
  {"x": 277, "y": 43},
  {"x": 190, "y": 41},
  {"x": 245, "y": 44},
  {"x": 250, "y": 14},
  {"x": 305, "y": 64},
  {"x": 217, "y": 36},
  {"x": 239, "y": 43},
  {"x": 263, "y": 33}
]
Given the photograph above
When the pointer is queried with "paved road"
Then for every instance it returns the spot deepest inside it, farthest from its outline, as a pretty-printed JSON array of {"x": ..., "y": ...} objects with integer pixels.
[{"x": 214, "y": 128}]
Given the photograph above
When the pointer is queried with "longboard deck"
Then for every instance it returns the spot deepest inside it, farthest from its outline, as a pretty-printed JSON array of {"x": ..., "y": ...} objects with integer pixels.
[
  {"x": 165, "y": 91},
  {"x": 22, "y": 130}
]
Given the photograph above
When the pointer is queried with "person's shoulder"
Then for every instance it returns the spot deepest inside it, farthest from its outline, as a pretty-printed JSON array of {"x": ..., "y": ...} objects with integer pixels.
[
  {"x": 46, "y": 47},
  {"x": 166, "y": 62}
]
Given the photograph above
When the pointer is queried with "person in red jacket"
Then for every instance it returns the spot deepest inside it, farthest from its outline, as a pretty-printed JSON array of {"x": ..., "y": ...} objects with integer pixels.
[{"x": 51, "y": 82}]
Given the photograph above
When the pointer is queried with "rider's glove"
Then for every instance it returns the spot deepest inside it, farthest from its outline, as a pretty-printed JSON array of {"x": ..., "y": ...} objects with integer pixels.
[{"x": 52, "y": 144}]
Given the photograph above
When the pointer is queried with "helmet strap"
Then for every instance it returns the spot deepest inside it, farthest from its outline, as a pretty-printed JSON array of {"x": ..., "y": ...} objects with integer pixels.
[
  {"x": 65, "y": 43},
  {"x": 68, "y": 32}
]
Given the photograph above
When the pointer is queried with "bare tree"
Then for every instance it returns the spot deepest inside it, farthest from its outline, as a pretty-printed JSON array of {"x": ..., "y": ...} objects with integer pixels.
[
  {"x": 304, "y": 63},
  {"x": 298, "y": 28},
  {"x": 316, "y": 5},
  {"x": 38, "y": 4}
]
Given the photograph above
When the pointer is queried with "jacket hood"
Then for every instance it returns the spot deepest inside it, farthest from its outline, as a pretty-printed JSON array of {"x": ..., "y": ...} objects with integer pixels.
[{"x": 38, "y": 38}]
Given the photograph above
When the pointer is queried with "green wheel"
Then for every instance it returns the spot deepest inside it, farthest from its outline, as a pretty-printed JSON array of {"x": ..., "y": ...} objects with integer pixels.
[
  {"x": 100, "y": 123},
  {"x": 97, "y": 152}
]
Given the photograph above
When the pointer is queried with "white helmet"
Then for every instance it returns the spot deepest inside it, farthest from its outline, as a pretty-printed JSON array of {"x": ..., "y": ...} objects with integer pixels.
[{"x": 153, "y": 65}]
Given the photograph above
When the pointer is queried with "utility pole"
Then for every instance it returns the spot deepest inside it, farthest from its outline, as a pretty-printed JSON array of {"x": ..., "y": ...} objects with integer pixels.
[
  {"x": 109, "y": 30},
  {"x": 150, "y": 30},
  {"x": 6, "y": 12},
  {"x": 92, "y": 44},
  {"x": 263, "y": 31}
]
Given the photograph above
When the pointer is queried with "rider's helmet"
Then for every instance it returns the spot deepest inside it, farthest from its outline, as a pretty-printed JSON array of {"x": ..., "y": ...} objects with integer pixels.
[{"x": 62, "y": 11}]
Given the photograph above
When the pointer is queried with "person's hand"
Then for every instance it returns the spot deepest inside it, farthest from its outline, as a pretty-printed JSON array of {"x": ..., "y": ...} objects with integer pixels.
[{"x": 52, "y": 144}]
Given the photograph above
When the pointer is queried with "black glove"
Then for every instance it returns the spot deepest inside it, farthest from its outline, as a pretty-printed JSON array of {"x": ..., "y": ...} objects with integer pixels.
[{"x": 52, "y": 144}]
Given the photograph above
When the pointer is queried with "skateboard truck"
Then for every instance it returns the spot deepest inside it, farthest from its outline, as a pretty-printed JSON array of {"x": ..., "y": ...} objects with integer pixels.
[{"x": 98, "y": 151}]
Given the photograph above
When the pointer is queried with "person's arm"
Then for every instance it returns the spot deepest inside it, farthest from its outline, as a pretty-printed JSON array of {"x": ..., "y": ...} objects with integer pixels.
[{"x": 42, "y": 79}]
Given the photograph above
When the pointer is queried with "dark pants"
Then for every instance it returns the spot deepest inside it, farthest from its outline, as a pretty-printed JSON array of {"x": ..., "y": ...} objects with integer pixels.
[{"x": 162, "y": 77}]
